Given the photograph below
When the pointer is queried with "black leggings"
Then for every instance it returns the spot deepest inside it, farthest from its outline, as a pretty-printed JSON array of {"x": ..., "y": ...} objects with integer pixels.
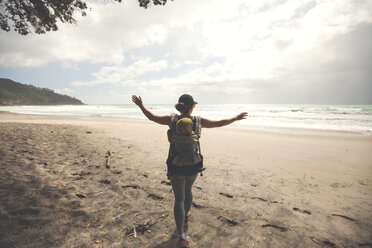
[{"x": 182, "y": 186}]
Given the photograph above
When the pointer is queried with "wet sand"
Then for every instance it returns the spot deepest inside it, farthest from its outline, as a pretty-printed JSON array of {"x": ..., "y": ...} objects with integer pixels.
[{"x": 260, "y": 189}]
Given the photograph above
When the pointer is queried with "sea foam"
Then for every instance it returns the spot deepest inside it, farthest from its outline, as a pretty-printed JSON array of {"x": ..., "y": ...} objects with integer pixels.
[{"x": 352, "y": 118}]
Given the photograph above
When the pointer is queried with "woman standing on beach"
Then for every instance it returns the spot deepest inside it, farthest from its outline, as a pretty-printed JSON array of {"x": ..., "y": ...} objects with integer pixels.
[{"x": 182, "y": 179}]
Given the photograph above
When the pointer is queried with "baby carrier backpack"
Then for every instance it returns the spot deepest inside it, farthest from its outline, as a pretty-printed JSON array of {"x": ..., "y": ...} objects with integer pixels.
[{"x": 184, "y": 156}]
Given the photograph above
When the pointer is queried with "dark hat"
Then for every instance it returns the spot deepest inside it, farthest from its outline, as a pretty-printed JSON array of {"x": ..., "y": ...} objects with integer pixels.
[{"x": 187, "y": 100}]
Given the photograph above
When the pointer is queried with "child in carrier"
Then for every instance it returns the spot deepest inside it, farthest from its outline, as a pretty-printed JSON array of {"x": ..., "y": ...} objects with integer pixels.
[
  {"x": 185, "y": 141},
  {"x": 185, "y": 126}
]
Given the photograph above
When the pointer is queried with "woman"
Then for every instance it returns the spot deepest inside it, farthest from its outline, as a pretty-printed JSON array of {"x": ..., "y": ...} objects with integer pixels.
[{"x": 181, "y": 180}]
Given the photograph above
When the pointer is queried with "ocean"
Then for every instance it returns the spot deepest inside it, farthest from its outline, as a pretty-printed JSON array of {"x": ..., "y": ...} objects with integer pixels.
[{"x": 347, "y": 118}]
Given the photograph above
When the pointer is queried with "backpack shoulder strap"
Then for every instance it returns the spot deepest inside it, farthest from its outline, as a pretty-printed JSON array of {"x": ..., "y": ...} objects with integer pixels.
[
  {"x": 172, "y": 116},
  {"x": 197, "y": 125},
  {"x": 173, "y": 120}
]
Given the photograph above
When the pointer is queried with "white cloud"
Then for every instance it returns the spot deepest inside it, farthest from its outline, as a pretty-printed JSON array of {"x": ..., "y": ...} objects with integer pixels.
[
  {"x": 122, "y": 74},
  {"x": 232, "y": 29},
  {"x": 234, "y": 47},
  {"x": 104, "y": 36}
]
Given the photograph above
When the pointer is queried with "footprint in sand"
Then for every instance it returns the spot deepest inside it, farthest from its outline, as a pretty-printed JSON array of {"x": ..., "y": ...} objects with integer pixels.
[
  {"x": 329, "y": 243},
  {"x": 326, "y": 243},
  {"x": 228, "y": 221},
  {"x": 166, "y": 183},
  {"x": 340, "y": 185},
  {"x": 81, "y": 196},
  {"x": 226, "y": 195},
  {"x": 155, "y": 197},
  {"x": 362, "y": 183},
  {"x": 195, "y": 205},
  {"x": 82, "y": 173},
  {"x": 280, "y": 228},
  {"x": 131, "y": 186},
  {"x": 302, "y": 211}
]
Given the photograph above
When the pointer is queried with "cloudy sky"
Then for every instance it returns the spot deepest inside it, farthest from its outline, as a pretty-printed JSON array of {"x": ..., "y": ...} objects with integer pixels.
[{"x": 268, "y": 51}]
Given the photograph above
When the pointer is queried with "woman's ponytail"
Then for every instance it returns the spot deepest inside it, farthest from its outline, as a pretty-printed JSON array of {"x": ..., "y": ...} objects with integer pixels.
[{"x": 182, "y": 107}]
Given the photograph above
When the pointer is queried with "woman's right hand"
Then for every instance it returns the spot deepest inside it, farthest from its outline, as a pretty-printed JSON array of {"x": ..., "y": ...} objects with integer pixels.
[
  {"x": 241, "y": 116},
  {"x": 137, "y": 100}
]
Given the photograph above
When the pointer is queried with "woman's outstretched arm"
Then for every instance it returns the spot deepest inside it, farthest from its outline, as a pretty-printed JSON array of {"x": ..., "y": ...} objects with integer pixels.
[
  {"x": 209, "y": 123},
  {"x": 164, "y": 119}
]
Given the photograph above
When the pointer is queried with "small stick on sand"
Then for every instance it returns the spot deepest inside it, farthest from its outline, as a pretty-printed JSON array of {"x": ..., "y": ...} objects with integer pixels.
[
  {"x": 145, "y": 227},
  {"x": 108, "y": 159}
]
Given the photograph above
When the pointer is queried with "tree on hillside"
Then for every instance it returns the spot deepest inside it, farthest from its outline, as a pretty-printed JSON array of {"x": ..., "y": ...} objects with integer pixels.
[{"x": 42, "y": 15}]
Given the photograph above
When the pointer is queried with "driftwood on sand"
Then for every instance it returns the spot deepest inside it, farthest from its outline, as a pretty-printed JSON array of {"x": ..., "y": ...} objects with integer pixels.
[{"x": 145, "y": 227}]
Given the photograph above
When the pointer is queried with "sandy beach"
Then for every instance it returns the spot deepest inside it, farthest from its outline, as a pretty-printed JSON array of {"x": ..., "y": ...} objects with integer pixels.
[{"x": 260, "y": 188}]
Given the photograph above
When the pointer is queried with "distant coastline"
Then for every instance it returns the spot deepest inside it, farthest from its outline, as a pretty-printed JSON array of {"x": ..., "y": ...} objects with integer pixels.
[{"x": 18, "y": 94}]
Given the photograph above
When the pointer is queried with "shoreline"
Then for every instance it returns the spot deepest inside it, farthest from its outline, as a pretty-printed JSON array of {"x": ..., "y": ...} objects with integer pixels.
[{"x": 285, "y": 130}]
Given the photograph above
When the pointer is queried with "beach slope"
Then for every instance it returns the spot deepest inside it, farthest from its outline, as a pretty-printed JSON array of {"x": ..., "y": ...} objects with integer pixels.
[{"x": 260, "y": 189}]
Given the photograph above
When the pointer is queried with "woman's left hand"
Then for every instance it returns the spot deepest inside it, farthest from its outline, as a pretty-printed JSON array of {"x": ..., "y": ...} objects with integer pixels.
[
  {"x": 137, "y": 100},
  {"x": 241, "y": 116}
]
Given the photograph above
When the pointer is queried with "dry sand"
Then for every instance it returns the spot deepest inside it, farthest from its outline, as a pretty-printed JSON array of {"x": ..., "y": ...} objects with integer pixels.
[{"x": 260, "y": 189}]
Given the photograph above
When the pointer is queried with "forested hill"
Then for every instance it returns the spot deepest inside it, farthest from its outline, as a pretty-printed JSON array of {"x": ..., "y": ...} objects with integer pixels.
[{"x": 13, "y": 93}]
